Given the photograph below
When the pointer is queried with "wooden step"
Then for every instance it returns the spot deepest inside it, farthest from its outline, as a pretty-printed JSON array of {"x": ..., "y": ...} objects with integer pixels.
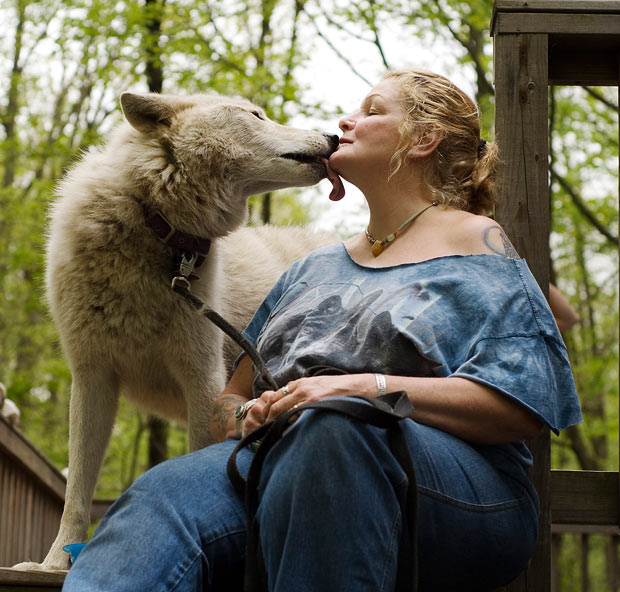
[{"x": 15, "y": 580}]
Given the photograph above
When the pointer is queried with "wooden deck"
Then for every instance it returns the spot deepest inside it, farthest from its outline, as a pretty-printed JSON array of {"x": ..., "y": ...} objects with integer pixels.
[{"x": 13, "y": 580}]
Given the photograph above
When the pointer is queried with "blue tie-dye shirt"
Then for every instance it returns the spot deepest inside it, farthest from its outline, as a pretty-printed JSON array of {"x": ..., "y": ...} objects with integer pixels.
[{"x": 480, "y": 317}]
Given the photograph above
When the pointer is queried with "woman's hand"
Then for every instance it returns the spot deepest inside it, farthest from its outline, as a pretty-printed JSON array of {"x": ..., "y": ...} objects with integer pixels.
[{"x": 272, "y": 404}]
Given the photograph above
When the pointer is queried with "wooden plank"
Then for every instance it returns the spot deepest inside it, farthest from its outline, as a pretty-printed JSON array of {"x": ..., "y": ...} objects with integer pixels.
[
  {"x": 16, "y": 447},
  {"x": 571, "y": 66},
  {"x": 585, "y": 497},
  {"x": 584, "y": 59},
  {"x": 99, "y": 507},
  {"x": 589, "y": 528},
  {"x": 523, "y": 210},
  {"x": 553, "y": 5},
  {"x": 13, "y": 579},
  {"x": 521, "y": 133},
  {"x": 549, "y": 22}
]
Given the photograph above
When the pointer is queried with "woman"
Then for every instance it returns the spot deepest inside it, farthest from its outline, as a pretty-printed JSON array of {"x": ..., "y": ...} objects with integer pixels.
[{"x": 431, "y": 300}]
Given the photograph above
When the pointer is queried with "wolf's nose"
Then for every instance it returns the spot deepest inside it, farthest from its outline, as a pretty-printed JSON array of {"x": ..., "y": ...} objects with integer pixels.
[{"x": 333, "y": 140}]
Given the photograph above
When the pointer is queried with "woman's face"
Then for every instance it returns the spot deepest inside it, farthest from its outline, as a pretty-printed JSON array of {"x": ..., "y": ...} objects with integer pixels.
[{"x": 370, "y": 136}]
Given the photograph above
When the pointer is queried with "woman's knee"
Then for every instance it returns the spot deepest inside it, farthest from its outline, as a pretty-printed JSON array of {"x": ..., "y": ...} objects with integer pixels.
[
  {"x": 320, "y": 437},
  {"x": 326, "y": 450},
  {"x": 191, "y": 474}
]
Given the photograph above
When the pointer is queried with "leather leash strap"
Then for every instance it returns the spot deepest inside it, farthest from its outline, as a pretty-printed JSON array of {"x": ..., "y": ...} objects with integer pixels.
[{"x": 218, "y": 320}]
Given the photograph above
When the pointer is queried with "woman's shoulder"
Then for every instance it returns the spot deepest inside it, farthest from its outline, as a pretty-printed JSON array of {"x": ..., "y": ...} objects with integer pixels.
[{"x": 474, "y": 234}]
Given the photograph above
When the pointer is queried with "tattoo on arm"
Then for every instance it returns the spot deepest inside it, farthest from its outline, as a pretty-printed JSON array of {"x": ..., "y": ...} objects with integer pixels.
[
  {"x": 222, "y": 412},
  {"x": 505, "y": 248}
]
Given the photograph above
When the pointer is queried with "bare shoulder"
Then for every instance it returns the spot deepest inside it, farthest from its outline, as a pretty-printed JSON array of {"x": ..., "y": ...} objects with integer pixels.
[{"x": 473, "y": 234}]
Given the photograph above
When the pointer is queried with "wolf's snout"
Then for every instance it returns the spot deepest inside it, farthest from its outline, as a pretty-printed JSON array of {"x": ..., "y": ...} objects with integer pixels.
[{"x": 333, "y": 141}]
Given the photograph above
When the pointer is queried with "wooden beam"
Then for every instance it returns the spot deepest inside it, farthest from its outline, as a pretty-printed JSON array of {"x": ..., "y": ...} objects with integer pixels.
[
  {"x": 588, "y": 528},
  {"x": 590, "y": 60},
  {"x": 585, "y": 497},
  {"x": 521, "y": 131},
  {"x": 98, "y": 508},
  {"x": 550, "y": 22},
  {"x": 521, "y": 128},
  {"x": 566, "y": 6},
  {"x": 24, "y": 581}
]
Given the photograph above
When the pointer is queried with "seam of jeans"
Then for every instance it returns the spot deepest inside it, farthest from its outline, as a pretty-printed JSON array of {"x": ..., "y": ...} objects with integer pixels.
[
  {"x": 224, "y": 535},
  {"x": 200, "y": 553},
  {"x": 186, "y": 570},
  {"x": 394, "y": 543},
  {"x": 496, "y": 507}
]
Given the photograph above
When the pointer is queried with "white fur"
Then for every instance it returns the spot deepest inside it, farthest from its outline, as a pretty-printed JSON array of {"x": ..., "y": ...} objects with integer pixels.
[{"x": 196, "y": 159}]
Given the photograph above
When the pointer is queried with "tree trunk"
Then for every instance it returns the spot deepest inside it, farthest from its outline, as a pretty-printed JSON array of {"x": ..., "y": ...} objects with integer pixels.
[
  {"x": 158, "y": 440},
  {"x": 157, "y": 427}
]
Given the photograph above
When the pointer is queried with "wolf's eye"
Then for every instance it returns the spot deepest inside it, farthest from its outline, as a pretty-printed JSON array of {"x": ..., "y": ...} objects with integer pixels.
[{"x": 258, "y": 114}]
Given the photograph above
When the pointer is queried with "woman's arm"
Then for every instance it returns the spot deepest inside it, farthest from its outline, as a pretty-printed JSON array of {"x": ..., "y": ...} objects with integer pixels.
[
  {"x": 237, "y": 392},
  {"x": 462, "y": 407},
  {"x": 564, "y": 314}
]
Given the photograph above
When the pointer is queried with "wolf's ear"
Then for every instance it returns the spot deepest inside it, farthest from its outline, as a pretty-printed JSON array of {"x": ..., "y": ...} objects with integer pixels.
[{"x": 148, "y": 111}]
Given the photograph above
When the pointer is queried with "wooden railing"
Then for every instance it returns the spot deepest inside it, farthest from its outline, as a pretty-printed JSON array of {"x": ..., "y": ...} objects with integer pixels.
[{"x": 32, "y": 493}]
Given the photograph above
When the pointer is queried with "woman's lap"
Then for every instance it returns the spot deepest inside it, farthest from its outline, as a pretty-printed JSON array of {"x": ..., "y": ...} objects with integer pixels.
[
  {"x": 181, "y": 526},
  {"x": 473, "y": 526}
]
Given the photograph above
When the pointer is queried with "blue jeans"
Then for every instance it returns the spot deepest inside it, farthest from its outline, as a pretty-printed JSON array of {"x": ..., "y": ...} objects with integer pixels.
[{"x": 329, "y": 515}]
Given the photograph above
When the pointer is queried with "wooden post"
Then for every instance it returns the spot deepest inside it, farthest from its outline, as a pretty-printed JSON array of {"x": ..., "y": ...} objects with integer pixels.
[
  {"x": 521, "y": 81},
  {"x": 521, "y": 129},
  {"x": 538, "y": 43}
]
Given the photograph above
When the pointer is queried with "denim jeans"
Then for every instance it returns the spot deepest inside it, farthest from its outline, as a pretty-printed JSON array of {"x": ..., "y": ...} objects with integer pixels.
[{"x": 329, "y": 515}]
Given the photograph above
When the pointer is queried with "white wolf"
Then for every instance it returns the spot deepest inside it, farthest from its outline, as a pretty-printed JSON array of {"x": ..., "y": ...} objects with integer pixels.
[{"x": 171, "y": 183}]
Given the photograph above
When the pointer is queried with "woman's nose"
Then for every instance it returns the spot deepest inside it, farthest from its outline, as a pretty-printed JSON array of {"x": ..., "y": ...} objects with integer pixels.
[{"x": 346, "y": 123}]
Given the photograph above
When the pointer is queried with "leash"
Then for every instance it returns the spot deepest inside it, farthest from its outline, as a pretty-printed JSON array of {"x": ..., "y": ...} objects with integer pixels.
[
  {"x": 385, "y": 411},
  {"x": 181, "y": 285}
]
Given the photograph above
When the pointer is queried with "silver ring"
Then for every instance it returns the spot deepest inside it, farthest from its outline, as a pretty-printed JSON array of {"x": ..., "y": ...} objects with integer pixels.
[
  {"x": 241, "y": 412},
  {"x": 286, "y": 390},
  {"x": 250, "y": 404}
]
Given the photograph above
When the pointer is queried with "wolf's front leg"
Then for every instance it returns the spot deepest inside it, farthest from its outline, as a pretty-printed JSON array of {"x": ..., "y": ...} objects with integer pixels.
[
  {"x": 202, "y": 392},
  {"x": 94, "y": 402}
]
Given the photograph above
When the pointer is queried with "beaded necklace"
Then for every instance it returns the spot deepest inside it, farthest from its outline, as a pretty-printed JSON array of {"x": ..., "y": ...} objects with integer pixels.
[{"x": 377, "y": 246}]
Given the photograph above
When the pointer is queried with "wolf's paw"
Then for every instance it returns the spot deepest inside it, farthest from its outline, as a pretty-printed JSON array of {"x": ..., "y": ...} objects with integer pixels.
[
  {"x": 29, "y": 566},
  {"x": 62, "y": 565}
]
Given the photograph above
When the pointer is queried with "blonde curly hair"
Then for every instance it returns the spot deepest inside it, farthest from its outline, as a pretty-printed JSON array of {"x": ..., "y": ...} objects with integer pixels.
[{"x": 462, "y": 170}]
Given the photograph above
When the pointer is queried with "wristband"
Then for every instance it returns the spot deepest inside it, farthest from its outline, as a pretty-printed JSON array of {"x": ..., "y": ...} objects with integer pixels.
[{"x": 381, "y": 385}]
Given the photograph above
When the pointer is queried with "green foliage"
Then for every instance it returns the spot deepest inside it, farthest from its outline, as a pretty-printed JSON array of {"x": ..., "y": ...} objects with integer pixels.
[
  {"x": 571, "y": 550},
  {"x": 584, "y": 152}
]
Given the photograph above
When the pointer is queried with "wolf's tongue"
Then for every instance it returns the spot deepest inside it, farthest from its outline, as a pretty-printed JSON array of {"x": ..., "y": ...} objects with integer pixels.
[{"x": 337, "y": 192}]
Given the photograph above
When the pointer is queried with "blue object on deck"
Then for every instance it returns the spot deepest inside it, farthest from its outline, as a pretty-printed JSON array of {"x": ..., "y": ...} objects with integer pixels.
[{"x": 74, "y": 550}]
